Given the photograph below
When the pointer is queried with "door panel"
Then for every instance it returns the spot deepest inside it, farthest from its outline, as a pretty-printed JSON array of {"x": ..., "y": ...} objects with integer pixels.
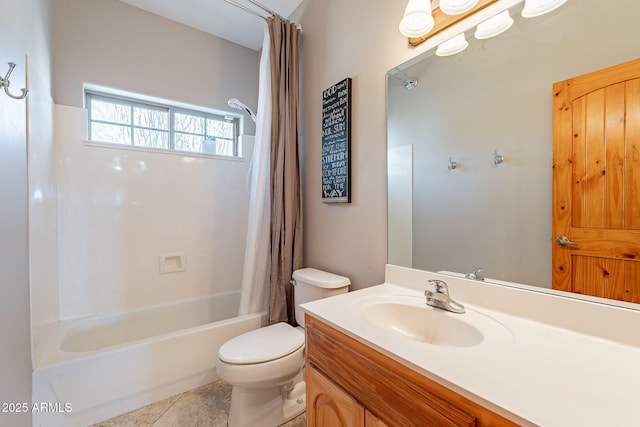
[
  {"x": 596, "y": 183},
  {"x": 632, "y": 191}
]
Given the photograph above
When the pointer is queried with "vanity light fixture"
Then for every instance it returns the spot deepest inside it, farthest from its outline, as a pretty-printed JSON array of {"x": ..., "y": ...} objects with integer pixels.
[
  {"x": 457, "y": 7},
  {"x": 493, "y": 26},
  {"x": 452, "y": 46},
  {"x": 533, "y": 8},
  {"x": 417, "y": 20}
]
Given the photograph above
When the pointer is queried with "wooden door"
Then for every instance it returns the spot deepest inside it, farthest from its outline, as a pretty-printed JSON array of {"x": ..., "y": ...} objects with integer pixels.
[
  {"x": 596, "y": 183},
  {"x": 371, "y": 420},
  {"x": 330, "y": 406}
]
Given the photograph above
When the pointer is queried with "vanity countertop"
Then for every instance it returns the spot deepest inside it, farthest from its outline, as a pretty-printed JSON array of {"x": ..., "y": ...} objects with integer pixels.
[{"x": 530, "y": 371}]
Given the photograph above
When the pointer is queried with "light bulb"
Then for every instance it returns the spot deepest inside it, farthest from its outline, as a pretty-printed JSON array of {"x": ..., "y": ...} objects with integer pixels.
[
  {"x": 533, "y": 8},
  {"x": 417, "y": 20},
  {"x": 452, "y": 46},
  {"x": 456, "y": 7}
]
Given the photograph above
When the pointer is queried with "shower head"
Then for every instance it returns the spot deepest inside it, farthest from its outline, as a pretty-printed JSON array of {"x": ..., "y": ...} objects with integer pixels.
[{"x": 238, "y": 105}]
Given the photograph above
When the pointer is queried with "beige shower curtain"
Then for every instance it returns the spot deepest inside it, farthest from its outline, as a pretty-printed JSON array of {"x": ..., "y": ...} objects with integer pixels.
[{"x": 286, "y": 198}]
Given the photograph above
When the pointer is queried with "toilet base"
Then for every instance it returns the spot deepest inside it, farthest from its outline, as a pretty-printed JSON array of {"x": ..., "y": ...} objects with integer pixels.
[{"x": 266, "y": 407}]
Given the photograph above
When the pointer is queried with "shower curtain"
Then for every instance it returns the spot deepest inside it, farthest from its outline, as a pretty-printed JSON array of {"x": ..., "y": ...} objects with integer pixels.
[
  {"x": 255, "y": 275},
  {"x": 274, "y": 235},
  {"x": 286, "y": 196}
]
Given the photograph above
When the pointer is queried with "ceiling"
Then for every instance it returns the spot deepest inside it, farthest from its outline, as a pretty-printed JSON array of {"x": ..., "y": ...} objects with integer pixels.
[{"x": 219, "y": 18}]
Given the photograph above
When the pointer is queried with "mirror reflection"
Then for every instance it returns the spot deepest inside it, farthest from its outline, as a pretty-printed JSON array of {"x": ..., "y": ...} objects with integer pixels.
[{"x": 487, "y": 111}]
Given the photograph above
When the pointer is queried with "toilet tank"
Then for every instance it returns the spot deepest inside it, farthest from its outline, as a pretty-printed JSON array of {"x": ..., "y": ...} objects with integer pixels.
[{"x": 311, "y": 284}]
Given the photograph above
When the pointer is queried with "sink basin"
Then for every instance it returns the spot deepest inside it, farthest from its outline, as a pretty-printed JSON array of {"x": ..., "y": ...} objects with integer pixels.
[
  {"x": 422, "y": 323},
  {"x": 406, "y": 317}
]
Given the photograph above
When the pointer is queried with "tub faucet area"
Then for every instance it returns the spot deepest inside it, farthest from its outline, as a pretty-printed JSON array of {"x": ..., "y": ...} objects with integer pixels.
[
  {"x": 440, "y": 298},
  {"x": 475, "y": 274}
]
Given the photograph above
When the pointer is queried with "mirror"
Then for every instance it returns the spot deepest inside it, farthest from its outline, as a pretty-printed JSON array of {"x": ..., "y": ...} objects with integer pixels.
[{"x": 495, "y": 96}]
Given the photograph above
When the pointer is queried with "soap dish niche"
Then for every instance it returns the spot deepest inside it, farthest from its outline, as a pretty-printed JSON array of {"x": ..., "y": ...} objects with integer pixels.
[{"x": 173, "y": 262}]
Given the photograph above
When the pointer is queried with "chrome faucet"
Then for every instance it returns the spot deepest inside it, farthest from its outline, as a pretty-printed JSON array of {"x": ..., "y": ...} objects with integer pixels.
[
  {"x": 474, "y": 274},
  {"x": 440, "y": 297}
]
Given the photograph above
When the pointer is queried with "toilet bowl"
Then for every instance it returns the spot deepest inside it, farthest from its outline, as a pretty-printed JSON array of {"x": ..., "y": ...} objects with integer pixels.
[{"x": 266, "y": 366}]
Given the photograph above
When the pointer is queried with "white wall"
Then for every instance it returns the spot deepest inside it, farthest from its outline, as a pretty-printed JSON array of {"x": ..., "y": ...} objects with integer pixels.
[
  {"x": 359, "y": 40},
  {"x": 120, "y": 209},
  {"x": 43, "y": 200},
  {"x": 24, "y": 30}
]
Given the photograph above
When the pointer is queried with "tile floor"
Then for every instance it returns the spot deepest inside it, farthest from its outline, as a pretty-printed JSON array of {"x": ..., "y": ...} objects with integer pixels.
[{"x": 206, "y": 406}]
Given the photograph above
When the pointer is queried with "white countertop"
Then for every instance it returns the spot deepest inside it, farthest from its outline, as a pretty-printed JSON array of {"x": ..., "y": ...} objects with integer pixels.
[{"x": 531, "y": 372}]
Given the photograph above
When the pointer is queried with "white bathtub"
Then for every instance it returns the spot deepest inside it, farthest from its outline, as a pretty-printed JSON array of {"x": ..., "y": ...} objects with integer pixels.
[{"x": 92, "y": 369}]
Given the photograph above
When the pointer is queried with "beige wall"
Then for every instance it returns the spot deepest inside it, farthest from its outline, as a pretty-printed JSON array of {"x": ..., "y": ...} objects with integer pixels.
[
  {"x": 24, "y": 30},
  {"x": 360, "y": 40},
  {"x": 110, "y": 43}
]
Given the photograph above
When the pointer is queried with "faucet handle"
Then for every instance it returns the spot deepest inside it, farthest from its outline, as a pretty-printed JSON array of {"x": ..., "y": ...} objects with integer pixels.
[
  {"x": 441, "y": 286},
  {"x": 475, "y": 274}
]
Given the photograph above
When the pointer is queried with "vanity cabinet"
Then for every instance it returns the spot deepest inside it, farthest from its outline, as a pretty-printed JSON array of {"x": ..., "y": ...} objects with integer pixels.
[
  {"x": 333, "y": 407},
  {"x": 351, "y": 384}
]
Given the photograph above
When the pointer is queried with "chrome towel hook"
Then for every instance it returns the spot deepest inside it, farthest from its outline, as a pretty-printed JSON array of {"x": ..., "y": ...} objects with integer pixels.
[
  {"x": 5, "y": 83},
  {"x": 452, "y": 165},
  {"x": 497, "y": 158}
]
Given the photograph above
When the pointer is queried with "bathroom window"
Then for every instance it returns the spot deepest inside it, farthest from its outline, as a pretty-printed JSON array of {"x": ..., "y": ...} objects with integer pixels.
[{"x": 137, "y": 123}]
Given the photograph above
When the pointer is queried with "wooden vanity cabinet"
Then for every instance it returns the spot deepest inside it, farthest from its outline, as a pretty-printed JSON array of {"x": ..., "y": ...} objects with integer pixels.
[{"x": 350, "y": 384}]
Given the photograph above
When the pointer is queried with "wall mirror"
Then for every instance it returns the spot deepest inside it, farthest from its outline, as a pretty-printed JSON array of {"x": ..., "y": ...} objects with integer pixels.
[{"x": 493, "y": 98}]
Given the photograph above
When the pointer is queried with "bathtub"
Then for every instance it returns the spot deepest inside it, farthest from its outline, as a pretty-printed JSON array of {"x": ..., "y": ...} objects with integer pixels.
[{"x": 91, "y": 369}]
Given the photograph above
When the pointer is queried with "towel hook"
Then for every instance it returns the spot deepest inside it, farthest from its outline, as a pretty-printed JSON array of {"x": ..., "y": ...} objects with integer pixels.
[
  {"x": 452, "y": 165},
  {"x": 497, "y": 158},
  {"x": 5, "y": 83}
]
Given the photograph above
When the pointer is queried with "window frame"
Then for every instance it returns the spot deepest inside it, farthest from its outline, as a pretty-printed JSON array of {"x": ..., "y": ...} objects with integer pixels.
[{"x": 171, "y": 110}]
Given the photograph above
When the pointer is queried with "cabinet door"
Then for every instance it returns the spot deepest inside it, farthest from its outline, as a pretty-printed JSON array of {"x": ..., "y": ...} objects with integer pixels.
[
  {"x": 328, "y": 405},
  {"x": 371, "y": 420}
]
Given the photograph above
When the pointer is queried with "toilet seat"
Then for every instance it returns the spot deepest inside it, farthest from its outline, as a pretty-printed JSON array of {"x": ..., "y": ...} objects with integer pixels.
[{"x": 262, "y": 345}]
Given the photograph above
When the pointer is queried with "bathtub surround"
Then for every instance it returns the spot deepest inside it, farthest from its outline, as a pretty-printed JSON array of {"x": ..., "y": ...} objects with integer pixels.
[{"x": 120, "y": 209}]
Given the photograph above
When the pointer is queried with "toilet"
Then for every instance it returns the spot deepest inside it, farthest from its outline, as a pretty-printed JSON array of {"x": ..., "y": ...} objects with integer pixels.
[{"x": 266, "y": 366}]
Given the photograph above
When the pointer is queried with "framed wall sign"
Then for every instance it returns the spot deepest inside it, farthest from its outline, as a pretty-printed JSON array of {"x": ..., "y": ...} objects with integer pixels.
[{"x": 336, "y": 143}]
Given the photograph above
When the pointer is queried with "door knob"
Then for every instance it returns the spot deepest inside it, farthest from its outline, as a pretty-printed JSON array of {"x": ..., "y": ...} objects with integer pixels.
[{"x": 564, "y": 241}]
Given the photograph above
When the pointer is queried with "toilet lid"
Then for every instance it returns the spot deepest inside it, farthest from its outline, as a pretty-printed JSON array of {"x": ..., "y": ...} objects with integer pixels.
[{"x": 262, "y": 345}]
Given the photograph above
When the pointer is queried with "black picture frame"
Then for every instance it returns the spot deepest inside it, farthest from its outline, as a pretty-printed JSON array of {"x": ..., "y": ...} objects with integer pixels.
[{"x": 336, "y": 143}]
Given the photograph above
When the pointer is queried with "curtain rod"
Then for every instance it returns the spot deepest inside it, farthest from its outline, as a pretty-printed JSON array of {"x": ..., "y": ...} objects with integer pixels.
[
  {"x": 251, "y": 11},
  {"x": 261, "y": 6}
]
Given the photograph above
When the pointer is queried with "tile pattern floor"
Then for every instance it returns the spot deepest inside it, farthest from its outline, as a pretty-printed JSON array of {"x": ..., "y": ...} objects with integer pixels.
[{"x": 206, "y": 406}]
